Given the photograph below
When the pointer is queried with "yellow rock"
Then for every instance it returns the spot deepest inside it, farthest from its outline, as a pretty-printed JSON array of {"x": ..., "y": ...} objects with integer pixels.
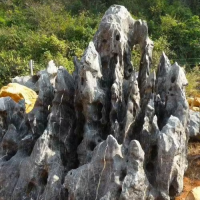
[
  {"x": 196, "y": 109},
  {"x": 18, "y": 92},
  {"x": 194, "y": 103},
  {"x": 190, "y": 101},
  {"x": 194, "y": 194}
]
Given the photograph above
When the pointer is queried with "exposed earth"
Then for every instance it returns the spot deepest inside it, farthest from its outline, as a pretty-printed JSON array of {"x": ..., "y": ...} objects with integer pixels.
[{"x": 192, "y": 175}]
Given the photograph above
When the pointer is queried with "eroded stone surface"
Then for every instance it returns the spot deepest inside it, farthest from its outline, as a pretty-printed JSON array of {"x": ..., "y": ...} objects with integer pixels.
[
  {"x": 194, "y": 125},
  {"x": 28, "y": 81},
  {"x": 102, "y": 133}
]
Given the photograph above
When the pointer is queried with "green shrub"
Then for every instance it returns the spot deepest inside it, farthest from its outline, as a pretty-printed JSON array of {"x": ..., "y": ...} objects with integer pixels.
[
  {"x": 193, "y": 77},
  {"x": 43, "y": 30}
]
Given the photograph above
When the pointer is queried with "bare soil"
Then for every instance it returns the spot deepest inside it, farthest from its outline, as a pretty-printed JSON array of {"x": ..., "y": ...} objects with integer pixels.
[{"x": 192, "y": 175}]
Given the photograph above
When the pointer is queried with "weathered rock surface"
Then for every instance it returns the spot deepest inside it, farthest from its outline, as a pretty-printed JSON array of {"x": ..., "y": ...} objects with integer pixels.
[
  {"x": 194, "y": 125},
  {"x": 28, "y": 81},
  {"x": 102, "y": 133}
]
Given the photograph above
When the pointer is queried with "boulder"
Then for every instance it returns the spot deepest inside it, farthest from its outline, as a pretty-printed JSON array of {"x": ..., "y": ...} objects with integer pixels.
[
  {"x": 28, "y": 81},
  {"x": 102, "y": 133},
  {"x": 194, "y": 125}
]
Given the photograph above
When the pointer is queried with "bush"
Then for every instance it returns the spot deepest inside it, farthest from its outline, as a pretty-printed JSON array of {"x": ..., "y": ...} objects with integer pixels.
[{"x": 42, "y": 30}]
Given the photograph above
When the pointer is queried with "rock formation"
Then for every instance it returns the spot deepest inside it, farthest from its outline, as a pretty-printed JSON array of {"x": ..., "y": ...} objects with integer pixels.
[
  {"x": 101, "y": 133},
  {"x": 194, "y": 125},
  {"x": 28, "y": 81}
]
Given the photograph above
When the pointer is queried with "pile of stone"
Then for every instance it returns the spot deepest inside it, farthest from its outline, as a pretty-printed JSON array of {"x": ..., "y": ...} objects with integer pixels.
[{"x": 102, "y": 133}]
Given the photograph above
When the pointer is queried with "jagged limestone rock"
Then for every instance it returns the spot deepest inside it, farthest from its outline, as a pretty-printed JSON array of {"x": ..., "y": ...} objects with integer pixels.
[
  {"x": 52, "y": 72},
  {"x": 194, "y": 125},
  {"x": 136, "y": 184},
  {"x": 102, "y": 133},
  {"x": 90, "y": 96},
  {"x": 149, "y": 140},
  {"x": 28, "y": 81},
  {"x": 145, "y": 108},
  {"x": 38, "y": 116},
  {"x": 62, "y": 119},
  {"x": 133, "y": 104},
  {"x": 16, "y": 144},
  {"x": 88, "y": 181},
  {"x": 171, "y": 100},
  {"x": 41, "y": 173},
  {"x": 171, "y": 158},
  {"x": 37, "y": 173}
]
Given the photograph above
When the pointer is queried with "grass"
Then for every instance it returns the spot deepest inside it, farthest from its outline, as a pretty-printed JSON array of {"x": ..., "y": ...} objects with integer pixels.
[
  {"x": 193, "y": 77},
  {"x": 193, "y": 171}
]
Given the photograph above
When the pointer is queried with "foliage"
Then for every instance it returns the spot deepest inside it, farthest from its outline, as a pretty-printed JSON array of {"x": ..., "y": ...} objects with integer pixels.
[
  {"x": 41, "y": 32},
  {"x": 193, "y": 78},
  {"x": 43, "y": 29},
  {"x": 160, "y": 45}
]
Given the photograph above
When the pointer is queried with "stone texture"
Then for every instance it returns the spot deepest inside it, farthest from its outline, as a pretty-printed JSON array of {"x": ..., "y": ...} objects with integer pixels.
[
  {"x": 102, "y": 133},
  {"x": 171, "y": 99},
  {"x": 16, "y": 144},
  {"x": 194, "y": 125},
  {"x": 28, "y": 81},
  {"x": 51, "y": 69},
  {"x": 136, "y": 184},
  {"x": 106, "y": 160},
  {"x": 38, "y": 116},
  {"x": 171, "y": 158}
]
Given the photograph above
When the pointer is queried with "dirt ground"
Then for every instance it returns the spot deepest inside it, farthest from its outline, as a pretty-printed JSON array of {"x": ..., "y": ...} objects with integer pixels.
[
  {"x": 192, "y": 175},
  {"x": 189, "y": 184}
]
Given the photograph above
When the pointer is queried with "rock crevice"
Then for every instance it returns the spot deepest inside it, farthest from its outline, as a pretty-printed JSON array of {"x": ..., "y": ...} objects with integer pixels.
[{"x": 101, "y": 133}]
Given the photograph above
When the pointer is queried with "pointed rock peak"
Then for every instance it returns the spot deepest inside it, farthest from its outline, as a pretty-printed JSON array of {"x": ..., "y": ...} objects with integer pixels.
[
  {"x": 135, "y": 150},
  {"x": 113, "y": 146},
  {"x": 164, "y": 65},
  {"x": 91, "y": 61},
  {"x": 178, "y": 75},
  {"x": 51, "y": 68},
  {"x": 172, "y": 122},
  {"x": 76, "y": 63},
  {"x": 111, "y": 141},
  {"x": 176, "y": 64},
  {"x": 116, "y": 10},
  {"x": 164, "y": 55},
  {"x": 107, "y": 150}
]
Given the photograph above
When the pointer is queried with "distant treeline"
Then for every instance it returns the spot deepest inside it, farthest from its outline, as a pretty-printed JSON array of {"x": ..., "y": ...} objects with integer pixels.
[{"x": 44, "y": 29}]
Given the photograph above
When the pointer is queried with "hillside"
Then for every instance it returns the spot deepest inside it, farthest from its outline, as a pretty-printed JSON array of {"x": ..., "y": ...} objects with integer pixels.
[{"x": 43, "y": 30}]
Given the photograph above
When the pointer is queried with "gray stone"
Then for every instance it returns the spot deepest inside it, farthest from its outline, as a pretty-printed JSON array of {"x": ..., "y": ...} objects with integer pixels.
[
  {"x": 88, "y": 181},
  {"x": 136, "y": 184},
  {"x": 194, "y": 125},
  {"x": 52, "y": 72},
  {"x": 28, "y": 81},
  {"x": 40, "y": 175},
  {"x": 171, "y": 158},
  {"x": 16, "y": 144},
  {"x": 102, "y": 133},
  {"x": 38, "y": 116},
  {"x": 171, "y": 99}
]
